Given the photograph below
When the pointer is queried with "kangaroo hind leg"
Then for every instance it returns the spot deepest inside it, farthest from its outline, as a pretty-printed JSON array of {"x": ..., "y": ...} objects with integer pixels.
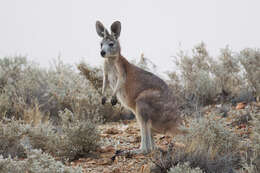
[{"x": 142, "y": 114}]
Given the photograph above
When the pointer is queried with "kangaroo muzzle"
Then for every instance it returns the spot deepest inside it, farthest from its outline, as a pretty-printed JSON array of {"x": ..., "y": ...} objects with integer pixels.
[{"x": 103, "y": 53}]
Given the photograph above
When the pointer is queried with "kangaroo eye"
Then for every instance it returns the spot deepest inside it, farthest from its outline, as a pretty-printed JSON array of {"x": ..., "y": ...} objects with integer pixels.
[
  {"x": 101, "y": 44},
  {"x": 111, "y": 44}
]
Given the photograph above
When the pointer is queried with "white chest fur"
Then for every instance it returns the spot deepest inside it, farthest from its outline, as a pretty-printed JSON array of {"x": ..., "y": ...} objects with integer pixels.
[{"x": 112, "y": 75}]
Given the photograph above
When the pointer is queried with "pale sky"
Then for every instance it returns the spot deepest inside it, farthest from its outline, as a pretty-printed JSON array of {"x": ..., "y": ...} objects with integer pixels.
[{"x": 43, "y": 29}]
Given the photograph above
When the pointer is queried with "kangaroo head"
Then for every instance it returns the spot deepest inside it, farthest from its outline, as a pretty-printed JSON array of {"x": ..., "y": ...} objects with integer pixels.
[{"x": 110, "y": 46}]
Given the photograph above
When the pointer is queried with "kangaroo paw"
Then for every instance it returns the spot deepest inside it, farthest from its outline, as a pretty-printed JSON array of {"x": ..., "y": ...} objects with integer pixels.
[
  {"x": 103, "y": 101},
  {"x": 114, "y": 100}
]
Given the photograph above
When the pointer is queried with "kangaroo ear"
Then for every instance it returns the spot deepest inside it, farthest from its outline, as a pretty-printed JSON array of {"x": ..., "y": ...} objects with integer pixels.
[
  {"x": 116, "y": 29},
  {"x": 101, "y": 30}
]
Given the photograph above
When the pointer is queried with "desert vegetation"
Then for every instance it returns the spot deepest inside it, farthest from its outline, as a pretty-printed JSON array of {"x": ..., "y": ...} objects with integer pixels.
[
  {"x": 221, "y": 137},
  {"x": 52, "y": 117}
]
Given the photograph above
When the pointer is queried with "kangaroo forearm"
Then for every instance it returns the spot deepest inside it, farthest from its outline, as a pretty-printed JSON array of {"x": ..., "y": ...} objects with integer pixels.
[
  {"x": 104, "y": 87},
  {"x": 104, "y": 80},
  {"x": 119, "y": 85}
]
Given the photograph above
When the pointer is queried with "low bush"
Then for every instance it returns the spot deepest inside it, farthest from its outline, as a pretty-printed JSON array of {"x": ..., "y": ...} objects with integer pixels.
[
  {"x": 22, "y": 83},
  {"x": 194, "y": 75},
  {"x": 250, "y": 60},
  {"x": 11, "y": 133},
  {"x": 181, "y": 168},
  {"x": 70, "y": 140},
  {"x": 25, "y": 87},
  {"x": 75, "y": 138},
  {"x": 201, "y": 79},
  {"x": 253, "y": 158},
  {"x": 226, "y": 71},
  {"x": 36, "y": 162},
  {"x": 208, "y": 145}
]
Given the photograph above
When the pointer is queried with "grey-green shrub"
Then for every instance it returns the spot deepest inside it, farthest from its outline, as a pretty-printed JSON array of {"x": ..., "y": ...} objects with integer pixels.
[
  {"x": 210, "y": 134},
  {"x": 184, "y": 168},
  {"x": 226, "y": 72},
  {"x": 201, "y": 79},
  {"x": 250, "y": 60},
  {"x": 68, "y": 141},
  {"x": 253, "y": 162},
  {"x": 75, "y": 138},
  {"x": 11, "y": 132},
  {"x": 195, "y": 77},
  {"x": 36, "y": 162},
  {"x": 23, "y": 85},
  {"x": 208, "y": 145}
]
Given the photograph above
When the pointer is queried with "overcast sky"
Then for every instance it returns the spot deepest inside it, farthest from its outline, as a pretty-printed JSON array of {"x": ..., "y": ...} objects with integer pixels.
[{"x": 43, "y": 29}]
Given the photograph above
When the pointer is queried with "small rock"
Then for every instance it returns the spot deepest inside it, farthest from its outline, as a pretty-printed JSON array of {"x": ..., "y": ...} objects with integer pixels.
[
  {"x": 155, "y": 169},
  {"x": 113, "y": 131},
  {"x": 240, "y": 105},
  {"x": 145, "y": 169},
  {"x": 106, "y": 149}
]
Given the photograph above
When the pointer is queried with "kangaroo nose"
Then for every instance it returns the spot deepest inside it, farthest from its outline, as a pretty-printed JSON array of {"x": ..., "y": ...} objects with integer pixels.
[{"x": 103, "y": 53}]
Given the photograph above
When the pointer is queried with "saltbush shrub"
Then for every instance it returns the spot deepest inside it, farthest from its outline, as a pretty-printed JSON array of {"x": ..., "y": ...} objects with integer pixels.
[
  {"x": 11, "y": 132},
  {"x": 194, "y": 73},
  {"x": 208, "y": 145},
  {"x": 253, "y": 161},
  {"x": 75, "y": 138},
  {"x": 185, "y": 167},
  {"x": 36, "y": 162},
  {"x": 22, "y": 83},
  {"x": 24, "y": 86},
  {"x": 200, "y": 79},
  {"x": 70, "y": 140},
  {"x": 250, "y": 60}
]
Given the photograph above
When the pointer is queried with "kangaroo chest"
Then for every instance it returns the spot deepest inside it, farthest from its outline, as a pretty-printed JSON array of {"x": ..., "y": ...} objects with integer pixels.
[{"x": 112, "y": 75}]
